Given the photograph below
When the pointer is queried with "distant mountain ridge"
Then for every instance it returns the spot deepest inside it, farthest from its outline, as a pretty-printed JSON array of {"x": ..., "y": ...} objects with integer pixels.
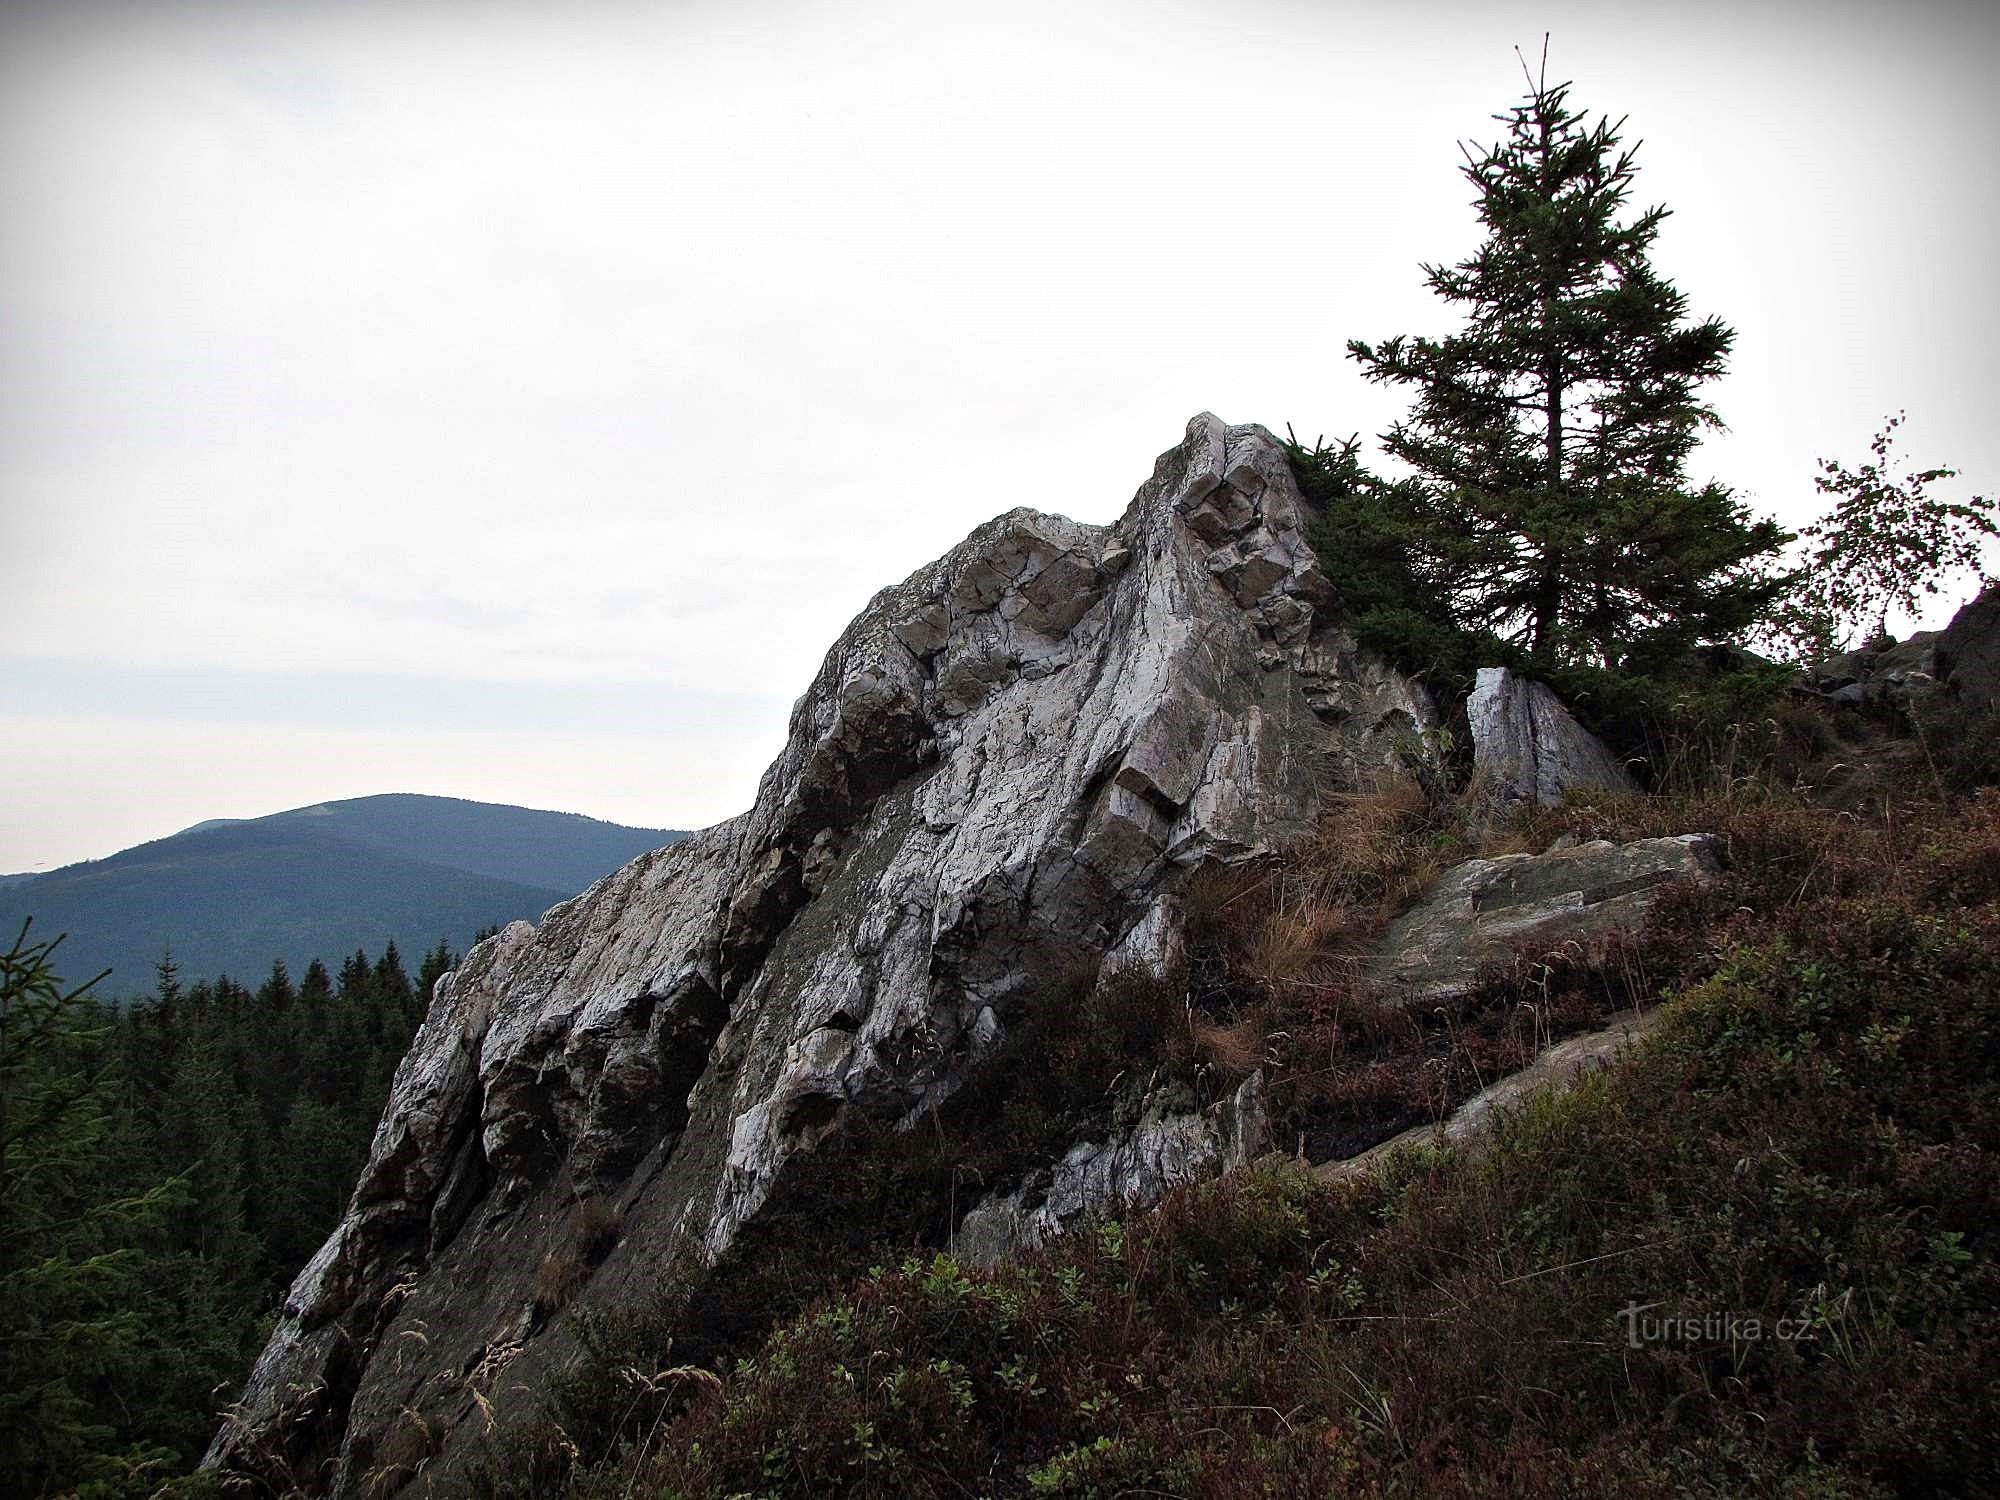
[{"x": 230, "y": 895}]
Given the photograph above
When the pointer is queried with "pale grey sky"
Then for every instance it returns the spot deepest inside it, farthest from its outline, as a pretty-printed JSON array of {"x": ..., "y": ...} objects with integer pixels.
[{"x": 513, "y": 402}]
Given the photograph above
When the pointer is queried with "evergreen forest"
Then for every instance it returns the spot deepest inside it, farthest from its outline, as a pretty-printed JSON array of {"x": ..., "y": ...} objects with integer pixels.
[{"x": 170, "y": 1165}]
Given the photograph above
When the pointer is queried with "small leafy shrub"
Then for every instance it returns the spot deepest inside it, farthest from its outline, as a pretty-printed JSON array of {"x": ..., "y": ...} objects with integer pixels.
[{"x": 1105, "y": 1469}]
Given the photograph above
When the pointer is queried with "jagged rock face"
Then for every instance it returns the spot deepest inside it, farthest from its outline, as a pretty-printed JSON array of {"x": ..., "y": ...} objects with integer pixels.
[
  {"x": 1003, "y": 770},
  {"x": 1488, "y": 911},
  {"x": 1968, "y": 651},
  {"x": 1527, "y": 748}
]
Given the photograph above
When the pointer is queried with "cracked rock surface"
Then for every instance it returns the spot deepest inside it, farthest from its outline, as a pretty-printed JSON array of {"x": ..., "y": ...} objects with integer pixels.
[
  {"x": 1526, "y": 746},
  {"x": 1004, "y": 769},
  {"x": 1488, "y": 911},
  {"x": 1094, "y": 1178}
]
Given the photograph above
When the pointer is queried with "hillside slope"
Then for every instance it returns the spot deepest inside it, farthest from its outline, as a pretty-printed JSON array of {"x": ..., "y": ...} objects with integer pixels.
[{"x": 317, "y": 882}]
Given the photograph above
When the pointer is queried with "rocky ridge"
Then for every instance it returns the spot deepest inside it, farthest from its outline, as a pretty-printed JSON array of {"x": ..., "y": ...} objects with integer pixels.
[{"x": 1005, "y": 767}]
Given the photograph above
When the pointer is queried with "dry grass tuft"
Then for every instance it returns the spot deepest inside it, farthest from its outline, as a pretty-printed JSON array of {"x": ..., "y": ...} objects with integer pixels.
[
  {"x": 1296, "y": 930},
  {"x": 406, "y": 1448},
  {"x": 1235, "y": 1050},
  {"x": 558, "y": 1278},
  {"x": 593, "y": 1228}
]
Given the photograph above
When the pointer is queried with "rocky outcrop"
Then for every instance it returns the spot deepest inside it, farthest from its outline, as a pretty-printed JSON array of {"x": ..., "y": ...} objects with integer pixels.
[
  {"x": 1489, "y": 912},
  {"x": 1094, "y": 1179},
  {"x": 1883, "y": 675},
  {"x": 1963, "y": 659},
  {"x": 1003, "y": 771},
  {"x": 1968, "y": 651},
  {"x": 1527, "y": 748}
]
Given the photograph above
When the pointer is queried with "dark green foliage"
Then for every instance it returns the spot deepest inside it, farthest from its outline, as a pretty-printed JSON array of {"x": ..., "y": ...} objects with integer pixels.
[
  {"x": 72, "y": 1269},
  {"x": 1372, "y": 539},
  {"x": 1549, "y": 501},
  {"x": 1672, "y": 717},
  {"x": 230, "y": 896},
  {"x": 1709, "y": 712},
  {"x": 170, "y": 1166},
  {"x": 1962, "y": 741}
]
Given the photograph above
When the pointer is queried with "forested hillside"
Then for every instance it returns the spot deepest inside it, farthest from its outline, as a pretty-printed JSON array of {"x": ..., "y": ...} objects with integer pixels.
[
  {"x": 169, "y": 1167},
  {"x": 230, "y": 896}
]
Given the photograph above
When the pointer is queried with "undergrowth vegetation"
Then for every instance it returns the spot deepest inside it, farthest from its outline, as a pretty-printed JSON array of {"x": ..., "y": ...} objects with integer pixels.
[{"x": 1758, "y": 1256}]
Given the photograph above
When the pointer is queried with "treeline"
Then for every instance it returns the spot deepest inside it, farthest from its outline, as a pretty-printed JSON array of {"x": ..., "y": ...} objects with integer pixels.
[{"x": 170, "y": 1165}]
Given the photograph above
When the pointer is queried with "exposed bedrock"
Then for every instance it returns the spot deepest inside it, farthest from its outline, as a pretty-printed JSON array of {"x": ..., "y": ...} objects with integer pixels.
[
  {"x": 1526, "y": 747},
  {"x": 1002, "y": 772}
]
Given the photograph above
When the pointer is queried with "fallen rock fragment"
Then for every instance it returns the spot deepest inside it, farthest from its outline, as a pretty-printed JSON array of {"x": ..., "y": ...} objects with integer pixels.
[{"x": 1490, "y": 911}]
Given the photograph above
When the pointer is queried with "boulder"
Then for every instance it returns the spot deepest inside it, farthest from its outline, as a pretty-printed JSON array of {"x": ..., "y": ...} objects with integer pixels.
[
  {"x": 1471, "y": 1124},
  {"x": 1095, "y": 1179},
  {"x": 1527, "y": 748},
  {"x": 1004, "y": 771},
  {"x": 1968, "y": 651},
  {"x": 1881, "y": 675},
  {"x": 1496, "y": 911}
]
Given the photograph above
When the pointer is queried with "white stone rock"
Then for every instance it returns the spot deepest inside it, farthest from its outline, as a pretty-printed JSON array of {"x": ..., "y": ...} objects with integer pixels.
[
  {"x": 1002, "y": 768},
  {"x": 1527, "y": 748}
]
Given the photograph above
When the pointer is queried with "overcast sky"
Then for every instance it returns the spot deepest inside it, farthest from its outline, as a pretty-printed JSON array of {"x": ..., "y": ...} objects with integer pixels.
[{"x": 513, "y": 402}]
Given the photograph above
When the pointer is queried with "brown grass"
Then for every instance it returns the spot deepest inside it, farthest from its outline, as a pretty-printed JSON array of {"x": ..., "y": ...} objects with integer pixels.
[
  {"x": 1236, "y": 1050},
  {"x": 1297, "y": 930},
  {"x": 407, "y": 1446},
  {"x": 594, "y": 1224},
  {"x": 558, "y": 1278},
  {"x": 589, "y": 1235}
]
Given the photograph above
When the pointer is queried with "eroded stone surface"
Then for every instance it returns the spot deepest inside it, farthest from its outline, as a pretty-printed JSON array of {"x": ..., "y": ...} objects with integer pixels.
[
  {"x": 1968, "y": 651},
  {"x": 1487, "y": 911},
  {"x": 1527, "y": 748},
  {"x": 1877, "y": 676},
  {"x": 1098, "y": 1179},
  {"x": 1002, "y": 771}
]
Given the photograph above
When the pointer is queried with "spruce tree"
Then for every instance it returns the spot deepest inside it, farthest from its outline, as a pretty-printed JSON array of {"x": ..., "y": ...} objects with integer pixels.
[
  {"x": 72, "y": 1315},
  {"x": 1550, "y": 502}
]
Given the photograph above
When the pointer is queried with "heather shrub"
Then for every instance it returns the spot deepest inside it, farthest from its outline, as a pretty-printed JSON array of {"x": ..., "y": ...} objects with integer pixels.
[{"x": 1808, "y": 1143}]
